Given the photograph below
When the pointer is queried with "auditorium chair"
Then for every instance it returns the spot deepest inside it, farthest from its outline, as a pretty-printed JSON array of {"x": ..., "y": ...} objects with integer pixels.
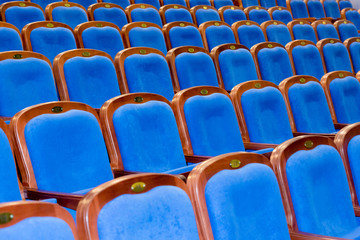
[
  {"x": 108, "y": 12},
  {"x": 353, "y": 46},
  {"x": 155, "y": 3},
  {"x": 276, "y": 31},
  {"x": 301, "y": 29},
  {"x": 231, "y": 14},
  {"x": 346, "y": 29},
  {"x": 143, "y": 13},
  {"x": 280, "y": 14},
  {"x": 352, "y": 15},
  {"x": 331, "y": 8},
  {"x": 257, "y": 14},
  {"x": 10, "y": 37},
  {"x": 344, "y": 4},
  {"x": 178, "y": 34},
  {"x": 221, "y": 3},
  {"x": 121, "y": 3},
  {"x": 216, "y": 33},
  {"x": 84, "y": 3},
  {"x": 248, "y": 3},
  {"x": 193, "y": 3},
  {"x": 175, "y": 12},
  {"x": 69, "y": 13},
  {"x": 248, "y": 33},
  {"x": 203, "y": 14},
  {"x": 325, "y": 29}
]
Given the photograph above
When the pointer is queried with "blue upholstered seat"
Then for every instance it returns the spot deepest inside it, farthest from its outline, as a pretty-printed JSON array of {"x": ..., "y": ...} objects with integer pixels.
[
  {"x": 354, "y": 50},
  {"x": 353, "y": 157},
  {"x": 249, "y": 3},
  {"x": 185, "y": 36},
  {"x": 336, "y": 57},
  {"x": 249, "y": 35},
  {"x": 43, "y": 3},
  {"x": 206, "y": 14},
  {"x": 267, "y": 3},
  {"x": 347, "y": 30},
  {"x": 194, "y": 3},
  {"x": 71, "y": 16},
  {"x": 217, "y": 35},
  {"x": 332, "y": 9},
  {"x": 179, "y": 2},
  {"x": 146, "y": 14},
  {"x": 20, "y": 16},
  {"x": 299, "y": 9},
  {"x": 10, "y": 39},
  {"x": 233, "y": 15},
  {"x": 304, "y": 31},
  {"x": 84, "y": 3},
  {"x": 4, "y": 1},
  {"x": 316, "y": 9},
  {"x": 354, "y": 17},
  {"x": 326, "y": 31},
  {"x": 282, "y": 15},
  {"x": 281, "y": 3},
  {"x": 114, "y": 15},
  {"x": 345, "y": 4},
  {"x": 121, "y": 3},
  {"x": 278, "y": 33},
  {"x": 221, "y": 3},
  {"x": 259, "y": 16},
  {"x": 178, "y": 14}
]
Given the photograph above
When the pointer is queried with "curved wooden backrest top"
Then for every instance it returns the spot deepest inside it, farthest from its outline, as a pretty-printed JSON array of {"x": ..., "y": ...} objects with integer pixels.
[
  {"x": 242, "y": 5},
  {"x": 224, "y": 8},
  {"x": 83, "y": 26},
  {"x": 21, "y": 210},
  {"x": 127, "y": 28},
  {"x": 341, "y": 21},
  {"x": 202, "y": 173},
  {"x": 205, "y": 25},
  {"x": 350, "y": 41},
  {"x": 171, "y": 56},
  {"x": 195, "y": 8},
  {"x": 6, "y": 5},
  {"x": 277, "y": 8},
  {"x": 26, "y": 32},
  {"x": 90, "y": 207},
  {"x": 61, "y": 59},
  {"x": 9, "y": 25},
  {"x": 120, "y": 60},
  {"x": 17, "y": 128},
  {"x": 131, "y": 7},
  {"x": 292, "y": 23},
  {"x": 91, "y": 9},
  {"x": 106, "y": 116},
  {"x": 50, "y": 7},
  {"x": 178, "y": 106},
  {"x": 325, "y": 82},
  {"x": 236, "y": 94},
  {"x": 266, "y": 24},
  {"x": 343, "y": 12},
  {"x": 167, "y": 27},
  {"x": 164, "y": 8},
  {"x": 279, "y": 158},
  {"x": 22, "y": 55},
  {"x": 238, "y": 24},
  {"x": 284, "y": 88},
  {"x": 249, "y": 9}
]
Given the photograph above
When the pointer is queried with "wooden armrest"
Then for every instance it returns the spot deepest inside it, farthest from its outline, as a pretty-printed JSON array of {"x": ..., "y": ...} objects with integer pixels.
[
  {"x": 195, "y": 158},
  {"x": 68, "y": 200},
  {"x": 329, "y": 135},
  {"x": 120, "y": 173},
  {"x": 258, "y": 146},
  {"x": 310, "y": 236}
]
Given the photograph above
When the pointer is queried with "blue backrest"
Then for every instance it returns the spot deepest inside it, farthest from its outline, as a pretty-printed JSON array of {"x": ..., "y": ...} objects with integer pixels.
[
  {"x": 347, "y": 30},
  {"x": 345, "y": 92},
  {"x": 281, "y": 3},
  {"x": 218, "y": 33},
  {"x": 267, "y": 3},
  {"x": 72, "y": 16},
  {"x": 321, "y": 199},
  {"x": 336, "y": 57},
  {"x": 326, "y": 31},
  {"x": 316, "y": 9},
  {"x": 194, "y": 3},
  {"x": 265, "y": 114},
  {"x": 282, "y": 15},
  {"x": 353, "y": 16},
  {"x": 274, "y": 63},
  {"x": 154, "y": 3},
  {"x": 106, "y": 38},
  {"x": 9, "y": 38},
  {"x": 26, "y": 80},
  {"x": 121, "y": 3},
  {"x": 304, "y": 31},
  {"x": 84, "y": 3},
  {"x": 259, "y": 15},
  {"x": 353, "y": 157},
  {"x": 90, "y": 79},
  {"x": 195, "y": 69},
  {"x": 345, "y": 4},
  {"x": 307, "y": 60},
  {"x": 43, "y": 3},
  {"x": 277, "y": 32},
  {"x": 19, "y": 16},
  {"x": 148, "y": 73},
  {"x": 188, "y": 35},
  {"x": 249, "y": 35},
  {"x": 221, "y": 3},
  {"x": 233, "y": 15},
  {"x": 50, "y": 41},
  {"x": 145, "y": 13},
  {"x": 249, "y": 3},
  {"x": 309, "y": 108},
  {"x": 178, "y": 14},
  {"x": 153, "y": 120},
  {"x": 354, "y": 50},
  {"x": 236, "y": 66},
  {"x": 332, "y": 9},
  {"x": 81, "y": 161},
  {"x": 149, "y": 36},
  {"x": 212, "y": 124},
  {"x": 114, "y": 15},
  {"x": 179, "y": 2},
  {"x": 299, "y": 9},
  {"x": 205, "y": 14}
]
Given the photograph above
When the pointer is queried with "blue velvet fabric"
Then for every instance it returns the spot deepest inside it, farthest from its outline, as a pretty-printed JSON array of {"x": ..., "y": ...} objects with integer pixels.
[
  {"x": 217, "y": 35},
  {"x": 179, "y": 14},
  {"x": 250, "y": 35},
  {"x": 281, "y": 3},
  {"x": 307, "y": 61},
  {"x": 266, "y": 116},
  {"x": 205, "y": 15},
  {"x": 274, "y": 64},
  {"x": 147, "y": 37},
  {"x": 267, "y": 3},
  {"x": 221, "y": 3},
  {"x": 278, "y": 33},
  {"x": 71, "y": 16},
  {"x": 180, "y": 2},
  {"x": 84, "y": 3},
  {"x": 9, "y": 40},
  {"x": 25, "y": 82},
  {"x": 20, "y": 16},
  {"x": 304, "y": 31},
  {"x": 232, "y": 16},
  {"x": 185, "y": 36},
  {"x": 67, "y": 151},
  {"x": 107, "y": 39},
  {"x": 282, "y": 15},
  {"x": 299, "y": 9},
  {"x": 354, "y": 17},
  {"x": 345, "y": 4},
  {"x": 332, "y": 9},
  {"x": 182, "y": 170},
  {"x": 239, "y": 201},
  {"x": 259, "y": 16},
  {"x": 148, "y": 137},
  {"x": 316, "y": 9},
  {"x": 52, "y": 41},
  {"x": 38, "y": 228},
  {"x": 121, "y": 3},
  {"x": 9, "y": 184},
  {"x": 345, "y": 94},
  {"x": 4, "y": 1},
  {"x": 212, "y": 125},
  {"x": 354, "y": 50},
  {"x": 43, "y": 3},
  {"x": 148, "y": 73},
  {"x": 194, "y": 3},
  {"x": 326, "y": 31},
  {"x": 336, "y": 57},
  {"x": 320, "y": 192},
  {"x": 146, "y": 15},
  {"x": 236, "y": 66},
  {"x": 91, "y": 80},
  {"x": 249, "y": 3},
  {"x": 113, "y": 15},
  {"x": 310, "y": 109},
  {"x": 353, "y": 156},
  {"x": 164, "y": 212},
  {"x": 154, "y": 3},
  {"x": 347, "y": 31},
  {"x": 195, "y": 69}
]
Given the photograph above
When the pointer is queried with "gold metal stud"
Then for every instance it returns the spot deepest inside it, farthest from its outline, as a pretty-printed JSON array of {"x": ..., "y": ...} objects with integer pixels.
[
  {"x": 6, "y": 217},
  {"x": 332, "y": 41},
  {"x": 98, "y": 25},
  {"x": 303, "y": 43},
  {"x": 142, "y": 51},
  {"x": 138, "y": 187},
  {"x": 257, "y": 85},
  {"x": 302, "y": 80},
  {"x": 67, "y": 5},
  {"x": 257, "y": 8},
  {"x": 270, "y": 45},
  {"x": 217, "y": 24},
  {"x": 176, "y": 7},
  {"x": 232, "y": 47},
  {"x": 248, "y": 23},
  {"x": 138, "y": 99},
  {"x": 17, "y": 56},
  {"x": 191, "y": 50},
  {"x": 142, "y": 6},
  {"x": 235, "y": 163},
  {"x": 143, "y": 25},
  {"x": 309, "y": 144},
  {"x": 182, "y": 25},
  {"x": 50, "y": 25},
  {"x": 57, "y": 109},
  {"x": 204, "y": 92},
  {"x": 205, "y": 7},
  {"x": 232, "y": 8},
  {"x": 341, "y": 75},
  {"x": 107, "y": 6},
  {"x": 301, "y": 22},
  {"x": 22, "y": 4},
  {"x": 275, "y": 23},
  {"x": 86, "y": 54}
]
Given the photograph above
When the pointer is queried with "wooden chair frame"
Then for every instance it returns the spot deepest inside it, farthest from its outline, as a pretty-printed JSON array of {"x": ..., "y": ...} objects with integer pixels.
[
  {"x": 242, "y": 5},
  {"x": 316, "y": 23},
  {"x": 309, "y": 19},
  {"x": 291, "y": 24},
  {"x": 127, "y": 28},
  {"x": 266, "y": 24},
  {"x": 339, "y": 22},
  {"x": 205, "y": 25},
  {"x": 194, "y": 9},
  {"x": 238, "y": 24},
  {"x": 167, "y": 27},
  {"x": 95, "y": 6},
  {"x": 49, "y": 8},
  {"x": 131, "y": 7},
  {"x": 347, "y": 44},
  {"x": 224, "y": 8},
  {"x": 7, "y": 5},
  {"x": 164, "y": 8}
]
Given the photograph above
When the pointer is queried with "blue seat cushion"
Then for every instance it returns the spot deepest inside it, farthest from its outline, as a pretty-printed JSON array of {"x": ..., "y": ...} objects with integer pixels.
[
  {"x": 185, "y": 36},
  {"x": 179, "y": 14},
  {"x": 307, "y": 61},
  {"x": 121, "y": 3},
  {"x": 316, "y": 9},
  {"x": 250, "y": 35},
  {"x": 20, "y": 16},
  {"x": 10, "y": 40},
  {"x": 154, "y": 3},
  {"x": 278, "y": 33},
  {"x": 217, "y": 35},
  {"x": 327, "y": 31},
  {"x": 332, "y": 9},
  {"x": 354, "y": 50},
  {"x": 113, "y": 15},
  {"x": 298, "y": 9},
  {"x": 282, "y": 15},
  {"x": 147, "y": 37},
  {"x": 336, "y": 57},
  {"x": 179, "y": 2},
  {"x": 146, "y": 15},
  {"x": 347, "y": 31},
  {"x": 233, "y": 15},
  {"x": 259, "y": 16},
  {"x": 71, "y": 16},
  {"x": 304, "y": 31},
  {"x": 205, "y": 15}
]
